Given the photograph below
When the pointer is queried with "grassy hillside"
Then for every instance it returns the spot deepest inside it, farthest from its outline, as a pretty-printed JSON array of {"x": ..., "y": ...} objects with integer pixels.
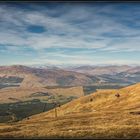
[
  {"x": 99, "y": 115},
  {"x": 24, "y": 102},
  {"x": 25, "y": 109},
  {"x": 11, "y": 95}
]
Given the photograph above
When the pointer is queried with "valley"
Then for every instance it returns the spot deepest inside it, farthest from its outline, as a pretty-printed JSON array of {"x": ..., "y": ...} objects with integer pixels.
[
  {"x": 34, "y": 102},
  {"x": 86, "y": 104}
]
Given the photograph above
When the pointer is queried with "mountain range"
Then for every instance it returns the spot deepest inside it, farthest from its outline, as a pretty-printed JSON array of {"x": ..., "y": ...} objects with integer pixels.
[
  {"x": 25, "y": 76},
  {"x": 26, "y": 83}
]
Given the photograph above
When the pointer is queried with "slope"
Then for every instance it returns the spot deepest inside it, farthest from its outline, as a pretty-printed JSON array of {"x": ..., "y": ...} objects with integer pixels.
[
  {"x": 40, "y": 77},
  {"x": 99, "y": 115},
  {"x": 26, "y": 93}
]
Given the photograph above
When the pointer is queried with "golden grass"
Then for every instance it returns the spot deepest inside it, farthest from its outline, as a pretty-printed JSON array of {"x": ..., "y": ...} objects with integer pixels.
[{"x": 106, "y": 116}]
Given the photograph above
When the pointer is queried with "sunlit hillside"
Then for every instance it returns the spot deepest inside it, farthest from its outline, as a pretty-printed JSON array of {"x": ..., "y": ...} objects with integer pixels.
[
  {"x": 11, "y": 95},
  {"x": 99, "y": 115}
]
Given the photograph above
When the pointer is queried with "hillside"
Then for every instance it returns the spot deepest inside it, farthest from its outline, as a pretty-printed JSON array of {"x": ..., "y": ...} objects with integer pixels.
[
  {"x": 40, "y": 77},
  {"x": 99, "y": 115},
  {"x": 24, "y": 94},
  {"x": 32, "y": 77},
  {"x": 105, "y": 100},
  {"x": 24, "y": 102},
  {"x": 112, "y": 74},
  {"x": 100, "y": 70}
]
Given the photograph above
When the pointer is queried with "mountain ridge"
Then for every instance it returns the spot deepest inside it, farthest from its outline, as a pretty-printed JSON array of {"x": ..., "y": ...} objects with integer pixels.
[{"x": 80, "y": 76}]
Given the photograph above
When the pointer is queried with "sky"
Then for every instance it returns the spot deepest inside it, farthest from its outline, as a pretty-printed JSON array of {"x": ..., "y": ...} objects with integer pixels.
[{"x": 58, "y": 33}]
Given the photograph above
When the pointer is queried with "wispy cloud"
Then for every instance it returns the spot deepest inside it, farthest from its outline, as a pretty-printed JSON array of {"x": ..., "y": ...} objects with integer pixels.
[{"x": 80, "y": 31}]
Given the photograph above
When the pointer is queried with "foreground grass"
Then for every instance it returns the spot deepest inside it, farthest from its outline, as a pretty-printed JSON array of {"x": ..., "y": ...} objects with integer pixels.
[{"x": 90, "y": 125}]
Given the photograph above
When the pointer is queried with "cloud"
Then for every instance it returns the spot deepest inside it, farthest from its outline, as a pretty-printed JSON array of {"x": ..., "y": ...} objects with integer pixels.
[{"x": 74, "y": 29}]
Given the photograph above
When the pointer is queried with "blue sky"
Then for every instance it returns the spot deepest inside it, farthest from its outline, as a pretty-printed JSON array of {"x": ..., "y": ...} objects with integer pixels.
[{"x": 69, "y": 33}]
